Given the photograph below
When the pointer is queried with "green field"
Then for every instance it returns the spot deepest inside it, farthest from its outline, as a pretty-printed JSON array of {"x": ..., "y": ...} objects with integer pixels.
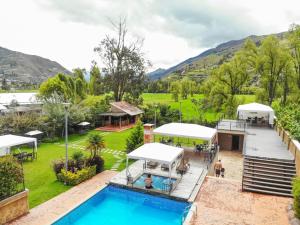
[
  {"x": 39, "y": 176},
  {"x": 187, "y": 107}
]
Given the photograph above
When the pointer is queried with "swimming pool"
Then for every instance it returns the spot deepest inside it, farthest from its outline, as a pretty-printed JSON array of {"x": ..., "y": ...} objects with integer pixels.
[
  {"x": 118, "y": 206},
  {"x": 158, "y": 181}
]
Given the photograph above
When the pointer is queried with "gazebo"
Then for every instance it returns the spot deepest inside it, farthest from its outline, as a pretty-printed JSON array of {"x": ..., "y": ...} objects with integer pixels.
[
  {"x": 35, "y": 134},
  {"x": 83, "y": 127},
  {"x": 9, "y": 141},
  {"x": 187, "y": 130},
  {"x": 256, "y": 113},
  {"x": 155, "y": 152}
]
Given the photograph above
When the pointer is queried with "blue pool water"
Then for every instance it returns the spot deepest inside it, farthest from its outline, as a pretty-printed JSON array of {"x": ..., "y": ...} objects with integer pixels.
[
  {"x": 158, "y": 181},
  {"x": 117, "y": 206}
]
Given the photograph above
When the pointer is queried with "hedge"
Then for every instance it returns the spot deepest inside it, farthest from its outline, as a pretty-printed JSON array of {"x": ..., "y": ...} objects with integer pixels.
[
  {"x": 11, "y": 176},
  {"x": 75, "y": 178},
  {"x": 296, "y": 194}
]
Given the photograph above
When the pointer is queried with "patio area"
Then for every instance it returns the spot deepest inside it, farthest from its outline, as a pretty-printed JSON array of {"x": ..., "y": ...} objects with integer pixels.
[
  {"x": 221, "y": 201},
  {"x": 265, "y": 142}
]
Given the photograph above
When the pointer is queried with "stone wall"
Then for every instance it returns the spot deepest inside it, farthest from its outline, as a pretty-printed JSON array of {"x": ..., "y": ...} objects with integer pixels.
[
  {"x": 293, "y": 146},
  {"x": 14, "y": 207}
]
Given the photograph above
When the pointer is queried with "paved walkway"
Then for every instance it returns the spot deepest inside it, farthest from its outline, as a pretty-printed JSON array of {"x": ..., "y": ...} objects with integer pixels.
[
  {"x": 232, "y": 161},
  {"x": 221, "y": 202},
  {"x": 53, "y": 209}
]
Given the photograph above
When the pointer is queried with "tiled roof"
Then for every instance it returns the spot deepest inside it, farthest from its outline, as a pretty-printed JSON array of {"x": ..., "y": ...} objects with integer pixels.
[{"x": 127, "y": 108}]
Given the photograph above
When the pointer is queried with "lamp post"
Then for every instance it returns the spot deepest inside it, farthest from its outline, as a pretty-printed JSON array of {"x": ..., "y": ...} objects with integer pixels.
[
  {"x": 180, "y": 114},
  {"x": 66, "y": 105},
  {"x": 155, "y": 115}
]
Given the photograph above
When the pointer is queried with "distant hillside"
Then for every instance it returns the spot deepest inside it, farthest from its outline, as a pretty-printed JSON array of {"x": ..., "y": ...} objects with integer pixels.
[
  {"x": 200, "y": 65},
  {"x": 23, "y": 68}
]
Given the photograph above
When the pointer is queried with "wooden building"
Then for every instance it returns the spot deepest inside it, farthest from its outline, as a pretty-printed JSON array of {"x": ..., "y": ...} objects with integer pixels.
[{"x": 121, "y": 115}]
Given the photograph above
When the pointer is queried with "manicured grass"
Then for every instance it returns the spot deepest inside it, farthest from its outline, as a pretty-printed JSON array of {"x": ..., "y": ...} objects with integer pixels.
[{"x": 39, "y": 176}]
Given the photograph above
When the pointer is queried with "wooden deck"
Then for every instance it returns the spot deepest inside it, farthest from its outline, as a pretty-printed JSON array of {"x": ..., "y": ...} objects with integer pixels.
[
  {"x": 187, "y": 187},
  {"x": 115, "y": 128}
]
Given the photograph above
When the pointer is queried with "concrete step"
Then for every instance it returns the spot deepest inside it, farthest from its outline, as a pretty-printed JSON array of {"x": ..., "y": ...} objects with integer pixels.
[
  {"x": 280, "y": 181},
  {"x": 285, "y": 190},
  {"x": 284, "y": 173},
  {"x": 274, "y": 161},
  {"x": 267, "y": 192},
  {"x": 253, "y": 181},
  {"x": 270, "y": 163},
  {"x": 271, "y": 167},
  {"x": 268, "y": 175}
]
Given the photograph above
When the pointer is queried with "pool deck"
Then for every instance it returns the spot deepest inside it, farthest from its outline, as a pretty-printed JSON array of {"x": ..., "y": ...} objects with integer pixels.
[
  {"x": 186, "y": 189},
  {"x": 265, "y": 142},
  {"x": 53, "y": 209}
]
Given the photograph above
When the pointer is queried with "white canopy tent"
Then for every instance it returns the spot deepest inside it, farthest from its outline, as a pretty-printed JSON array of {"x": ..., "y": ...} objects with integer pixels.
[
  {"x": 156, "y": 152},
  {"x": 8, "y": 141},
  {"x": 256, "y": 110},
  {"x": 186, "y": 130},
  {"x": 34, "y": 132}
]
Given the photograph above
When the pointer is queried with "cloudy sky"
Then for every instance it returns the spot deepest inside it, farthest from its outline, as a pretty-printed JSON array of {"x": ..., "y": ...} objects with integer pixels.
[{"x": 66, "y": 31}]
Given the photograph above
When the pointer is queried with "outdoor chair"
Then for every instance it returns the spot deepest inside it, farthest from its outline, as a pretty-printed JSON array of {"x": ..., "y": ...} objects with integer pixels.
[
  {"x": 152, "y": 164},
  {"x": 166, "y": 166}
]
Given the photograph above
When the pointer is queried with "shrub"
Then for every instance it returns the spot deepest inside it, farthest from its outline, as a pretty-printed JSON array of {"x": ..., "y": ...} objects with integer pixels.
[
  {"x": 296, "y": 194},
  {"x": 136, "y": 137},
  {"x": 79, "y": 159},
  {"x": 11, "y": 176},
  {"x": 97, "y": 161},
  {"x": 57, "y": 166},
  {"x": 71, "y": 178}
]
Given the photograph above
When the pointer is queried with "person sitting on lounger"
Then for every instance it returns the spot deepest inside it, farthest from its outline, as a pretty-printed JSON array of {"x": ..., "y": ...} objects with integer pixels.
[{"x": 148, "y": 182}]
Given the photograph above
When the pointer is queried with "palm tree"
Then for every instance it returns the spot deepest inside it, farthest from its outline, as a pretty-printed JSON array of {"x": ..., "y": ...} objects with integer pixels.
[{"x": 95, "y": 144}]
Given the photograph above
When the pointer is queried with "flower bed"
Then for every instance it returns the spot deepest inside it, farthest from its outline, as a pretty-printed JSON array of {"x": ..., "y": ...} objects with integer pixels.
[{"x": 77, "y": 177}]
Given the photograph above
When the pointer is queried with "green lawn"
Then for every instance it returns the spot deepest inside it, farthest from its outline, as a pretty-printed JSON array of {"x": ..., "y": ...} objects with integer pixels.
[{"x": 39, "y": 176}]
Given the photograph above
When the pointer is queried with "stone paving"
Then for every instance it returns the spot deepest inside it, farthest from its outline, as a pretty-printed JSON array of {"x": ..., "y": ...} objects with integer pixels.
[
  {"x": 232, "y": 161},
  {"x": 221, "y": 202},
  {"x": 53, "y": 209}
]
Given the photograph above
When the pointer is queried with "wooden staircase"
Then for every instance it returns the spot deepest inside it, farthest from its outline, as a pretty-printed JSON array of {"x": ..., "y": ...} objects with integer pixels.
[{"x": 268, "y": 176}]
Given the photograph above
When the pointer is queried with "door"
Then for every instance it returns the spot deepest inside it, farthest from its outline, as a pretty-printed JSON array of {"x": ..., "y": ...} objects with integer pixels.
[{"x": 235, "y": 142}]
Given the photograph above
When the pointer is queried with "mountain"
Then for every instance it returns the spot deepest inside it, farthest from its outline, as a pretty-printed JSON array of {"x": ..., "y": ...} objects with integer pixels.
[
  {"x": 18, "y": 67},
  {"x": 156, "y": 74},
  {"x": 199, "y": 65}
]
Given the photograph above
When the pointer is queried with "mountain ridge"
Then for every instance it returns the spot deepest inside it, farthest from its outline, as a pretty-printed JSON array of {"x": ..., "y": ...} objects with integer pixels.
[
  {"x": 19, "y": 67},
  {"x": 224, "y": 49}
]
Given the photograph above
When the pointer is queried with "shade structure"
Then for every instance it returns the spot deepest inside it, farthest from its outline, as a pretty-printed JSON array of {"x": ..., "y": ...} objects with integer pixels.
[
  {"x": 34, "y": 132},
  {"x": 8, "y": 141},
  {"x": 156, "y": 152},
  {"x": 255, "y": 110},
  {"x": 83, "y": 124},
  {"x": 186, "y": 130}
]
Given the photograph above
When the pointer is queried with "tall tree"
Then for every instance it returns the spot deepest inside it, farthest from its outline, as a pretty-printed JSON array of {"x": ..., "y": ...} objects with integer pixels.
[
  {"x": 273, "y": 59},
  {"x": 294, "y": 42},
  {"x": 95, "y": 80},
  {"x": 124, "y": 62}
]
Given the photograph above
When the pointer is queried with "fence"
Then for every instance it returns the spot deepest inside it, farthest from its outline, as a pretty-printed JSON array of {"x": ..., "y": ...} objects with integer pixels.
[{"x": 293, "y": 146}]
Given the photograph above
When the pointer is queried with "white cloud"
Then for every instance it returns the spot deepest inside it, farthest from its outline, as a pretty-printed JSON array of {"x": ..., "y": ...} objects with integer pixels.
[{"x": 67, "y": 30}]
